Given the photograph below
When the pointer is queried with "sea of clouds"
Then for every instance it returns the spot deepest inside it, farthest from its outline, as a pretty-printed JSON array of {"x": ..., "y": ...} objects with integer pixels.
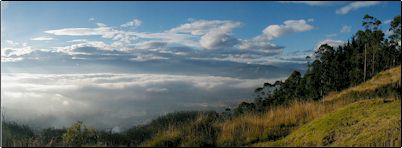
[{"x": 107, "y": 100}]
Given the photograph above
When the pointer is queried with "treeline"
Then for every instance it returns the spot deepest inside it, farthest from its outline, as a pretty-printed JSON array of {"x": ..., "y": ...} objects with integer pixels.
[
  {"x": 194, "y": 124},
  {"x": 335, "y": 68}
]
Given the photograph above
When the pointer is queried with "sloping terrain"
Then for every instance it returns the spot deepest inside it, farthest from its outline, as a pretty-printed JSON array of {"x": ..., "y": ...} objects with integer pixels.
[
  {"x": 364, "y": 123},
  {"x": 368, "y": 115}
]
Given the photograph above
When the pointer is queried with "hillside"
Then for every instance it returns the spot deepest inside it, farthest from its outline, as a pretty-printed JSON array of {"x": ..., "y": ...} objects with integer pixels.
[
  {"x": 364, "y": 123},
  {"x": 375, "y": 120},
  {"x": 364, "y": 115}
]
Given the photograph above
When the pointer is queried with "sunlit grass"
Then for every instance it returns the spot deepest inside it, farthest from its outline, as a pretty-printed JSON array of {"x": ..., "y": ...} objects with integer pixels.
[
  {"x": 278, "y": 122},
  {"x": 364, "y": 123},
  {"x": 391, "y": 76}
]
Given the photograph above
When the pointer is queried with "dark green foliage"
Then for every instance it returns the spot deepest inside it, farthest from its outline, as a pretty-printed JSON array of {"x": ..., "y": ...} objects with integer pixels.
[
  {"x": 201, "y": 132},
  {"x": 244, "y": 107},
  {"x": 335, "y": 68},
  {"x": 78, "y": 135},
  {"x": 190, "y": 119},
  {"x": 14, "y": 134},
  {"x": 138, "y": 134},
  {"x": 52, "y": 136}
]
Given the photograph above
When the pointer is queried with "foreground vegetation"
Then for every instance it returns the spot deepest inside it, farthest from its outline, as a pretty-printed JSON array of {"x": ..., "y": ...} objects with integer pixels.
[
  {"x": 364, "y": 123},
  {"x": 342, "y": 100}
]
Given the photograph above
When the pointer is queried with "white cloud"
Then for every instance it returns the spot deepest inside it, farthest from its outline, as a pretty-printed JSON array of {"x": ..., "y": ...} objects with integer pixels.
[
  {"x": 118, "y": 36},
  {"x": 214, "y": 33},
  {"x": 201, "y": 27},
  {"x": 52, "y": 99},
  {"x": 388, "y": 32},
  {"x": 141, "y": 58},
  {"x": 101, "y": 25},
  {"x": 42, "y": 38},
  {"x": 217, "y": 39},
  {"x": 388, "y": 21},
  {"x": 169, "y": 37},
  {"x": 194, "y": 35},
  {"x": 134, "y": 23},
  {"x": 330, "y": 42},
  {"x": 346, "y": 29},
  {"x": 15, "y": 51},
  {"x": 157, "y": 90},
  {"x": 289, "y": 26},
  {"x": 106, "y": 32},
  {"x": 91, "y": 19},
  {"x": 258, "y": 45},
  {"x": 10, "y": 59},
  {"x": 356, "y": 5},
  {"x": 78, "y": 40},
  {"x": 70, "y": 49},
  {"x": 125, "y": 37},
  {"x": 8, "y": 53},
  {"x": 12, "y": 43},
  {"x": 150, "y": 44}
]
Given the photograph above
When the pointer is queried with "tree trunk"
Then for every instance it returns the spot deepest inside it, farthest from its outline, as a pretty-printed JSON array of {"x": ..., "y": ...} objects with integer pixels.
[
  {"x": 372, "y": 66},
  {"x": 365, "y": 62}
]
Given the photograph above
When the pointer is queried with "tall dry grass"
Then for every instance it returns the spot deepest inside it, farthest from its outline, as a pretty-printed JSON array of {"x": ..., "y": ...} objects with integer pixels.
[
  {"x": 278, "y": 122},
  {"x": 272, "y": 125},
  {"x": 391, "y": 76}
]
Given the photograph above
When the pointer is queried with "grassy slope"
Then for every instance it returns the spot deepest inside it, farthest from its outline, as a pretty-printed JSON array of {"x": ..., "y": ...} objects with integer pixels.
[
  {"x": 363, "y": 123},
  {"x": 391, "y": 76}
]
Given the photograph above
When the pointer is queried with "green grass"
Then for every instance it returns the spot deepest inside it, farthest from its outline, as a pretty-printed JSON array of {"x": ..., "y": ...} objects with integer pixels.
[
  {"x": 365, "y": 115},
  {"x": 249, "y": 129},
  {"x": 388, "y": 77},
  {"x": 364, "y": 123}
]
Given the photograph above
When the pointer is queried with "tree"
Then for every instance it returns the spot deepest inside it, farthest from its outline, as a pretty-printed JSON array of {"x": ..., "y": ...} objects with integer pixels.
[
  {"x": 396, "y": 29},
  {"x": 78, "y": 135},
  {"x": 287, "y": 90},
  {"x": 374, "y": 36},
  {"x": 244, "y": 107},
  {"x": 336, "y": 68},
  {"x": 308, "y": 59},
  {"x": 313, "y": 81},
  {"x": 395, "y": 39}
]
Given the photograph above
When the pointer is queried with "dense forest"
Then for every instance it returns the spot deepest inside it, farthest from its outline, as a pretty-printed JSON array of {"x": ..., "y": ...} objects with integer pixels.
[
  {"x": 330, "y": 70},
  {"x": 335, "y": 68}
]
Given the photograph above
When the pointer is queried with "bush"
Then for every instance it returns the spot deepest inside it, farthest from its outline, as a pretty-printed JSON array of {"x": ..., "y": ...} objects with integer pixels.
[{"x": 78, "y": 135}]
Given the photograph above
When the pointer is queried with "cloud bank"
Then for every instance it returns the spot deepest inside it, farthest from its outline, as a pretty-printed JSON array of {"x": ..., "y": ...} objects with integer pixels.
[{"x": 52, "y": 99}]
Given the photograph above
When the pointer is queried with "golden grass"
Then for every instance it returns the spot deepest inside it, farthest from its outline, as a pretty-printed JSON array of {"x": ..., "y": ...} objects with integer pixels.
[
  {"x": 390, "y": 76},
  {"x": 274, "y": 124},
  {"x": 195, "y": 133},
  {"x": 363, "y": 123},
  {"x": 172, "y": 134},
  {"x": 282, "y": 120}
]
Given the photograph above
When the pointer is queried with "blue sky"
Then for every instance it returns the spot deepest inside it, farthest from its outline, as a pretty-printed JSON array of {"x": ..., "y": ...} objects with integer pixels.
[
  {"x": 20, "y": 18},
  {"x": 146, "y": 52}
]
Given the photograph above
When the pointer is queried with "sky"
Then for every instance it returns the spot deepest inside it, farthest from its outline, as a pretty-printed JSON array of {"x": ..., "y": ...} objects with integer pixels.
[{"x": 118, "y": 64}]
